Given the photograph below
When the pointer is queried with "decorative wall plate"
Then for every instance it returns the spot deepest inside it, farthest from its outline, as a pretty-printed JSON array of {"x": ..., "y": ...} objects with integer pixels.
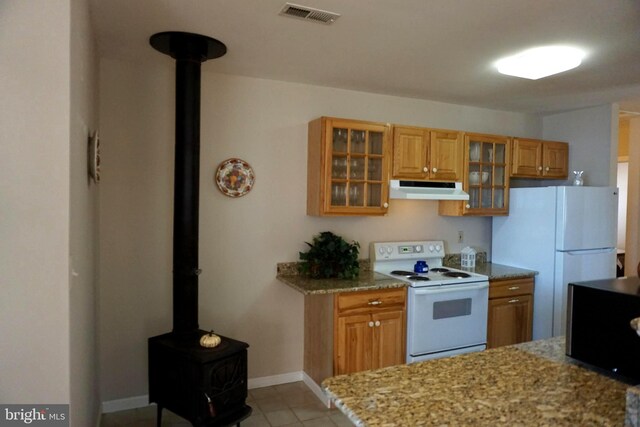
[
  {"x": 234, "y": 177},
  {"x": 94, "y": 157}
]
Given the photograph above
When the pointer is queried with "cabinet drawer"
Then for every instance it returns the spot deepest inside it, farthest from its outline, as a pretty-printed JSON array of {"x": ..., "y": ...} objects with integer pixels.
[
  {"x": 370, "y": 300},
  {"x": 507, "y": 288}
]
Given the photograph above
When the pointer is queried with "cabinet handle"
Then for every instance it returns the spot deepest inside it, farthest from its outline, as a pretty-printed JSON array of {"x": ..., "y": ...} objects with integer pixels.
[
  {"x": 514, "y": 288},
  {"x": 434, "y": 170},
  {"x": 547, "y": 169},
  {"x": 375, "y": 302},
  {"x": 468, "y": 206},
  {"x": 514, "y": 300},
  {"x": 371, "y": 324},
  {"x": 385, "y": 205},
  {"x": 377, "y": 323},
  {"x": 425, "y": 169},
  {"x": 539, "y": 168}
]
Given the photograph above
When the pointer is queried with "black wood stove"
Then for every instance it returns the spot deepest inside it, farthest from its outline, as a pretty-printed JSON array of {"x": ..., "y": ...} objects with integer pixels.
[{"x": 207, "y": 386}]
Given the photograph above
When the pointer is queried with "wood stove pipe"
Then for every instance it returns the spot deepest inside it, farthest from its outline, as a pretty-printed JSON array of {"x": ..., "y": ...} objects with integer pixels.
[{"x": 189, "y": 50}]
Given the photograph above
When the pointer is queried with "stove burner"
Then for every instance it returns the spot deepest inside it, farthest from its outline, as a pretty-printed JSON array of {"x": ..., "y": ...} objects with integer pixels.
[
  {"x": 402, "y": 273},
  {"x": 439, "y": 270},
  {"x": 457, "y": 274},
  {"x": 418, "y": 278}
]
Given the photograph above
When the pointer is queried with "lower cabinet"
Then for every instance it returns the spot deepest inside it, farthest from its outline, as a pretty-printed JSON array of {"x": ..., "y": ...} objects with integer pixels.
[
  {"x": 369, "y": 341},
  {"x": 510, "y": 312},
  {"x": 354, "y": 331}
]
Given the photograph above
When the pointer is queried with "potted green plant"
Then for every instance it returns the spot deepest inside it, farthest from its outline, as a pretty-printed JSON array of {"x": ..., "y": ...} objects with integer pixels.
[{"x": 329, "y": 255}]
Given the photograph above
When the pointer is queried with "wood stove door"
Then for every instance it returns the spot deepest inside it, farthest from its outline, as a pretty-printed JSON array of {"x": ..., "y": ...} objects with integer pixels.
[{"x": 225, "y": 386}]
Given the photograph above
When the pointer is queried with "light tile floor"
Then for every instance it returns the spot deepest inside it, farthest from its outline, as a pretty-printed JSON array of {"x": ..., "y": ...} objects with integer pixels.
[{"x": 291, "y": 404}]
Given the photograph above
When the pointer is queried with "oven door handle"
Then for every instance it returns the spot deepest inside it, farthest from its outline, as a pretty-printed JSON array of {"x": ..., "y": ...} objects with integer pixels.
[{"x": 451, "y": 288}]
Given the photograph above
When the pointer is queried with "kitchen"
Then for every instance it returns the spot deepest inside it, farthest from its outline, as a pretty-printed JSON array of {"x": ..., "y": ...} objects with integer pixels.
[{"x": 267, "y": 127}]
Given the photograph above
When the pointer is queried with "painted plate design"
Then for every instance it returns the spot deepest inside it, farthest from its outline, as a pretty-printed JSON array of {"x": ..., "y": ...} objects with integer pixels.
[{"x": 235, "y": 177}]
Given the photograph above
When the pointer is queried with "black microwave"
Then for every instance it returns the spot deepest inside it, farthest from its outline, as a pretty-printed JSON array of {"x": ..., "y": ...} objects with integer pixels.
[{"x": 599, "y": 332}]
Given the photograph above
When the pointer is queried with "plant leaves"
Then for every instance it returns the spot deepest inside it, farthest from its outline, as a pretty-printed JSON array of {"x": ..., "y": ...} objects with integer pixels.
[{"x": 330, "y": 256}]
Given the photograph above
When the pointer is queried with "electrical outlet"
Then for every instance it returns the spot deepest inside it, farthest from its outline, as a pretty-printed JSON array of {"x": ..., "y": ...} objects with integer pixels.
[{"x": 460, "y": 236}]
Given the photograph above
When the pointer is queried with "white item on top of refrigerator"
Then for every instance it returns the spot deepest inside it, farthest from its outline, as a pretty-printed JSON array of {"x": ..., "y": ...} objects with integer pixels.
[{"x": 566, "y": 234}]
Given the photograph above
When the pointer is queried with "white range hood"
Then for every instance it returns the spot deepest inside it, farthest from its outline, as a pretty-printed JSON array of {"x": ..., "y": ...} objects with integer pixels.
[{"x": 426, "y": 190}]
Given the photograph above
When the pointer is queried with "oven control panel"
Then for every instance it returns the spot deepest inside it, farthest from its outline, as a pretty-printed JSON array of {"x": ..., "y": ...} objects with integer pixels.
[{"x": 406, "y": 250}]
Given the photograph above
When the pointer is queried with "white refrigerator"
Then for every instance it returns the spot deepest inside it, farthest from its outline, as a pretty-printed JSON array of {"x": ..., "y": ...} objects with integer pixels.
[{"x": 566, "y": 234}]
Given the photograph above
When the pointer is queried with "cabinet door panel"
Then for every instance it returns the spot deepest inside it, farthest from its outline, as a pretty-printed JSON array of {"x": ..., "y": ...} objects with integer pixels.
[
  {"x": 388, "y": 339},
  {"x": 348, "y": 164},
  {"x": 487, "y": 158},
  {"x": 527, "y": 158},
  {"x": 555, "y": 160},
  {"x": 410, "y": 152},
  {"x": 353, "y": 344},
  {"x": 510, "y": 320},
  {"x": 446, "y": 155}
]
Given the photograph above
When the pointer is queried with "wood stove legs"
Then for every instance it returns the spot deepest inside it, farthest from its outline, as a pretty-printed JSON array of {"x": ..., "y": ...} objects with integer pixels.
[
  {"x": 242, "y": 416},
  {"x": 159, "y": 417}
]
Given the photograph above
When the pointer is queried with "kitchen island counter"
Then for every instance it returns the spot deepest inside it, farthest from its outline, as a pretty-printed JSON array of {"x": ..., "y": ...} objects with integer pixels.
[{"x": 526, "y": 384}]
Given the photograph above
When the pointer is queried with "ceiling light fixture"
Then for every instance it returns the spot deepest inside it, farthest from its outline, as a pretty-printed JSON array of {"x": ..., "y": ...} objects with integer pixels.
[{"x": 541, "y": 62}]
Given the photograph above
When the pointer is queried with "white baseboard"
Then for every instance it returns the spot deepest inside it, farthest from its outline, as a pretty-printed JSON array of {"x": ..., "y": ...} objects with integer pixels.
[
  {"x": 142, "y": 401},
  {"x": 290, "y": 377},
  {"x": 315, "y": 388}
]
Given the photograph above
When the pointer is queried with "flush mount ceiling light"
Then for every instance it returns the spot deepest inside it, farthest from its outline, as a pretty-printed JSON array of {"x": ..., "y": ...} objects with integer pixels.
[{"x": 541, "y": 62}]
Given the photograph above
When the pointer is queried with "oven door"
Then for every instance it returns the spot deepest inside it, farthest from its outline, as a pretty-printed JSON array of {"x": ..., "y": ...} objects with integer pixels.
[{"x": 446, "y": 320}]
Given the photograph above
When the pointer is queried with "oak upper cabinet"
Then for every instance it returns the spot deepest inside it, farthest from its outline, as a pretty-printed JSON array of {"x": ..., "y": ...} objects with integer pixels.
[
  {"x": 432, "y": 154},
  {"x": 532, "y": 158},
  {"x": 348, "y": 167},
  {"x": 485, "y": 177},
  {"x": 369, "y": 330},
  {"x": 510, "y": 312}
]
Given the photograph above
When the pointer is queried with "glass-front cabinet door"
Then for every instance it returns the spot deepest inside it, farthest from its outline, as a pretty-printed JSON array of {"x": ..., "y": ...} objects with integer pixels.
[
  {"x": 353, "y": 172},
  {"x": 486, "y": 174}
]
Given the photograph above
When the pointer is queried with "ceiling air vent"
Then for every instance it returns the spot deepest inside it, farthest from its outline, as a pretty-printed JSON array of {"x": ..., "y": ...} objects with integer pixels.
[{"x": 309, "y": 13}]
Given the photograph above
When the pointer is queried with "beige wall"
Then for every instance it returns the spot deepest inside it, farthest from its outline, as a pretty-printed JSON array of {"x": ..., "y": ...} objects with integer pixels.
[
  {"x": 623, "y": 140},
  {"x": 83, "y": 237},
  {"x": 632, "y": 246},
  {"x": 265, "y": 123},
  {"x": 592, "y": 134},
  {"x": 34, "y": 207},
  {"x": 48, "y": 214}
]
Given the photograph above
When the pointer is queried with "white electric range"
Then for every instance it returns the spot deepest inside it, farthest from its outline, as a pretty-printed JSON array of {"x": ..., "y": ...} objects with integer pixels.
[{"x": 447, "y": 308}]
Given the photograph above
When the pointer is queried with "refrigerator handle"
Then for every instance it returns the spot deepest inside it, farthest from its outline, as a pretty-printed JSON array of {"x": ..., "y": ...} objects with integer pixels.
[{"x": 591, "y": 251}]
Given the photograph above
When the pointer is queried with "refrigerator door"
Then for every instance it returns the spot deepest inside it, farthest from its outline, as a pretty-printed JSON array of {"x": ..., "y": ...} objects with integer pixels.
[
  {"x": 526, "y": 239},
  {"x": 578, "y": 266},
  {"x": 586, "y": 217}
]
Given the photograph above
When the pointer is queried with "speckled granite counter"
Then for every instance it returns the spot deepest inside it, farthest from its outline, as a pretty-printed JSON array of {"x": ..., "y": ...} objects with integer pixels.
[
  {"x": 525, "y": 385},
  {"x": 368, "y": 280},
  {"x": 496, "y": 271}
]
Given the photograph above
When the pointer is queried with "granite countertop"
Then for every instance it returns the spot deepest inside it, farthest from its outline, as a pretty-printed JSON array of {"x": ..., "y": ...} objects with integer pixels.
[
  {"x": 496, "y": 271},
  {"x": 368, "y": 280},
  {"x": 522, "y": 385}
]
